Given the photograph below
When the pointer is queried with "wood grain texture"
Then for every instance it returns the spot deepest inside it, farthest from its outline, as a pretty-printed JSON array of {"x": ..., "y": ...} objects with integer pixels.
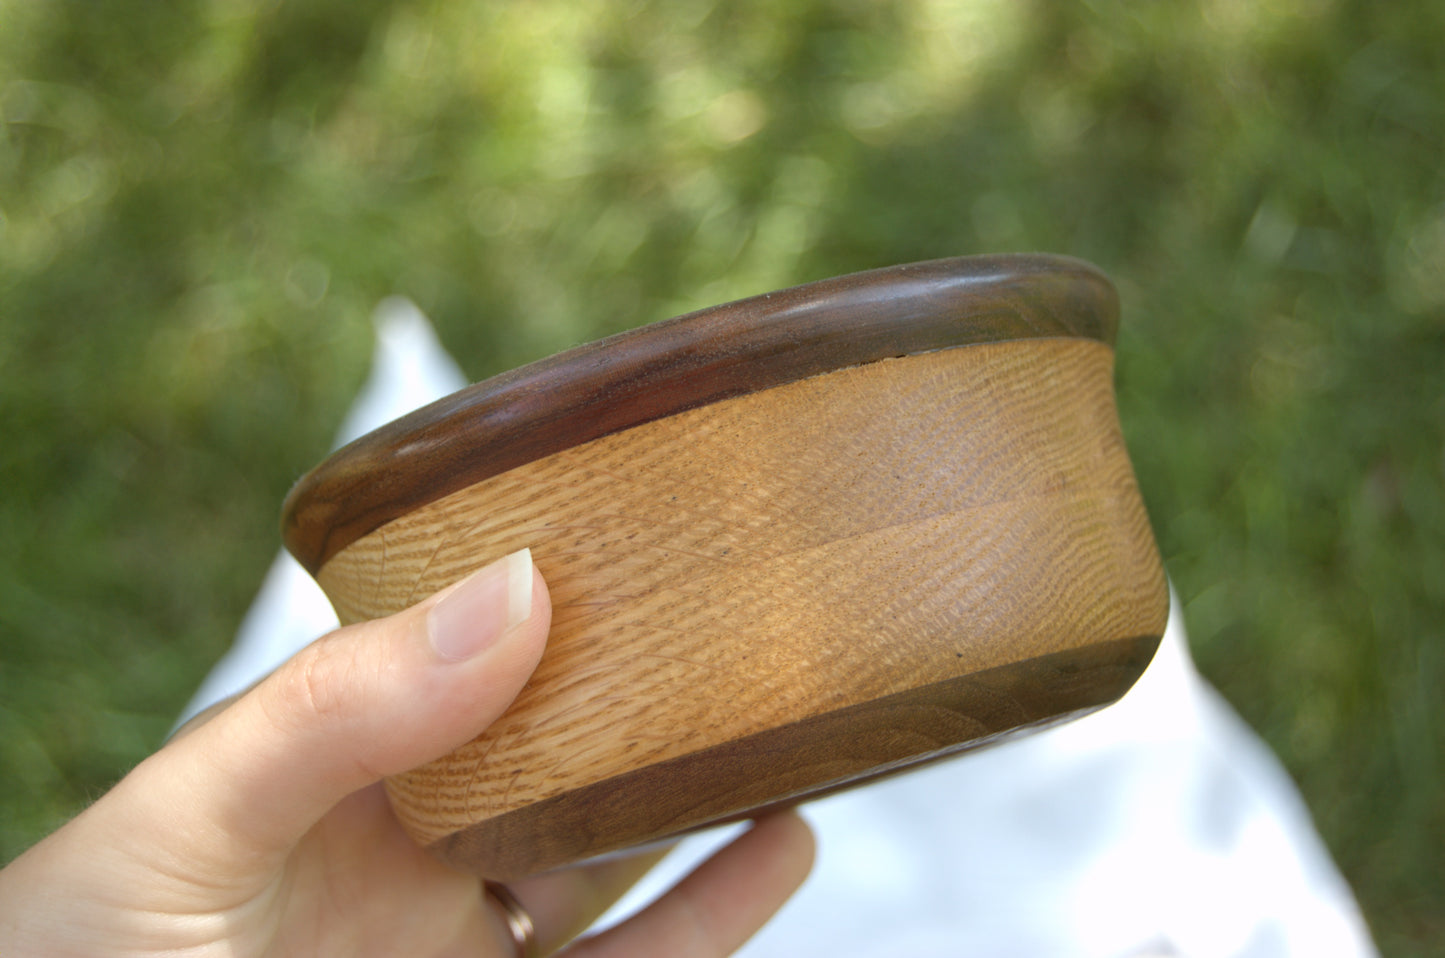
[
  {"x": 684, "y": 363},
  {"x": 785, "y": 560},
  {"x": 803, "y": 760}
]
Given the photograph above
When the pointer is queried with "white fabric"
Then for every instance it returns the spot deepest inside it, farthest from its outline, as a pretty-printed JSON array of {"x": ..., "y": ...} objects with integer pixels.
[{"x": 1160, "y": 826}]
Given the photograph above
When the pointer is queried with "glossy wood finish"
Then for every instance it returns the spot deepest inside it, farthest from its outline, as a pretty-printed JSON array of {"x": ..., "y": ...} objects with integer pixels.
[
  {"x": 782, "y": 592},
  {"x": 681, "y": 364}
]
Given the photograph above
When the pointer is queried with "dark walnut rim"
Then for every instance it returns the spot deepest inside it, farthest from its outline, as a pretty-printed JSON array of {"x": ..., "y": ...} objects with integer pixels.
[{"x": 683, "y": 363}]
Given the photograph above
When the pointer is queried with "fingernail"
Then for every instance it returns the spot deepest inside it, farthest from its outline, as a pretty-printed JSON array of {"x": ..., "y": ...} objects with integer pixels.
[{"x": 473, "y": 614}]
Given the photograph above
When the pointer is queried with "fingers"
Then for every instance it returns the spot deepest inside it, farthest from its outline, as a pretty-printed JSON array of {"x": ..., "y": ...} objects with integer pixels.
[
  {"x": 722, "y": 904},
  {"x": 366, "y": 701},
  {"x": 565, "y": 903}
]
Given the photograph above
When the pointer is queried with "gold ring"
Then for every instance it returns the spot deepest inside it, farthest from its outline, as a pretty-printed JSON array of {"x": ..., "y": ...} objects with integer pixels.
[{"x": 519, "y": 923}]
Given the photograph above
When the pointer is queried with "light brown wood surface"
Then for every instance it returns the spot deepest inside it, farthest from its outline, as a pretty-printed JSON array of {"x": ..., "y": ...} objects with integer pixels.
[
  {"x": 686, "y": 362},
  {"x": 906, "y": 556}
]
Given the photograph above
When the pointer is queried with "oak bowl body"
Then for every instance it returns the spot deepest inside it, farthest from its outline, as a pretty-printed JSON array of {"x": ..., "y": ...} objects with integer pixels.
[{"x": 793, "y": 543}]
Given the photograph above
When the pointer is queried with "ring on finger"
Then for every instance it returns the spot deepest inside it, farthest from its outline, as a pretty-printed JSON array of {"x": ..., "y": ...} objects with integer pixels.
[{"x": 519, "y": 922}]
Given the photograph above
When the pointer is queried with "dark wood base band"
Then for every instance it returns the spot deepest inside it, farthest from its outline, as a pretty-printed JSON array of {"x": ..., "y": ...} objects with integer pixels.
[{"x": 807, "y": 759}]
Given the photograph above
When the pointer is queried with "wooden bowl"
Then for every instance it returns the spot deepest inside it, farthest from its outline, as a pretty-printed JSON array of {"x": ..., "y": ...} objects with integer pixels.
[{"x": 793, "y": 543}]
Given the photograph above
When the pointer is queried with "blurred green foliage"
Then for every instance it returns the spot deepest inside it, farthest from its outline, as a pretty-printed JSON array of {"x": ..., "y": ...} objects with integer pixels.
[{"x": 201, "y": 201}]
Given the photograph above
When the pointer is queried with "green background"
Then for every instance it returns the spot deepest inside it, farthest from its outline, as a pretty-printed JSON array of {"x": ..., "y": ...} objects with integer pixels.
[{"x": 201, "y": 203}]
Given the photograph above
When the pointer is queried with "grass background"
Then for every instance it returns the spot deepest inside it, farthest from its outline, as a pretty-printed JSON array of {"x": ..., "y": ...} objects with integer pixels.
[{"x": 201, "y": 202}]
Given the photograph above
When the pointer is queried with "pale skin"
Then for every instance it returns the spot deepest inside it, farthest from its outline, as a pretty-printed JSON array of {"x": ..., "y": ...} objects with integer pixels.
[{"x": 264, "y": 830}]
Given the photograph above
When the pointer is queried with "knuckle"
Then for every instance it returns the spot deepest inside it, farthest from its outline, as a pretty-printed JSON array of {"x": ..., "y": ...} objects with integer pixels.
[{"x": 322, "y": 684}]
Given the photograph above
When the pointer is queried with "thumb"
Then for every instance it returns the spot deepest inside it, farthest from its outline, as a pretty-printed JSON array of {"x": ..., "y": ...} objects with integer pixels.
[{"x": 364, "y": 702}]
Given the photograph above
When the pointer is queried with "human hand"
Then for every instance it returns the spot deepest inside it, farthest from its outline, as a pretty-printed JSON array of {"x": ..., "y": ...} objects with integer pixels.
[{"x": 265, "y": 830}]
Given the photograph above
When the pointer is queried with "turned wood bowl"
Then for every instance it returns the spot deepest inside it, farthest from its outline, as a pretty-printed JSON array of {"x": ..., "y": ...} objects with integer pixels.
[{"x": 793, "y": 543}]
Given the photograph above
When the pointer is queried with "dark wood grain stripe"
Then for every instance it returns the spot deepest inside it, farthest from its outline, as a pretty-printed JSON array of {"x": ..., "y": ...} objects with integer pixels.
[
  {"x": 682, "y": 363},
  {"x": 802, "y": 760}
]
